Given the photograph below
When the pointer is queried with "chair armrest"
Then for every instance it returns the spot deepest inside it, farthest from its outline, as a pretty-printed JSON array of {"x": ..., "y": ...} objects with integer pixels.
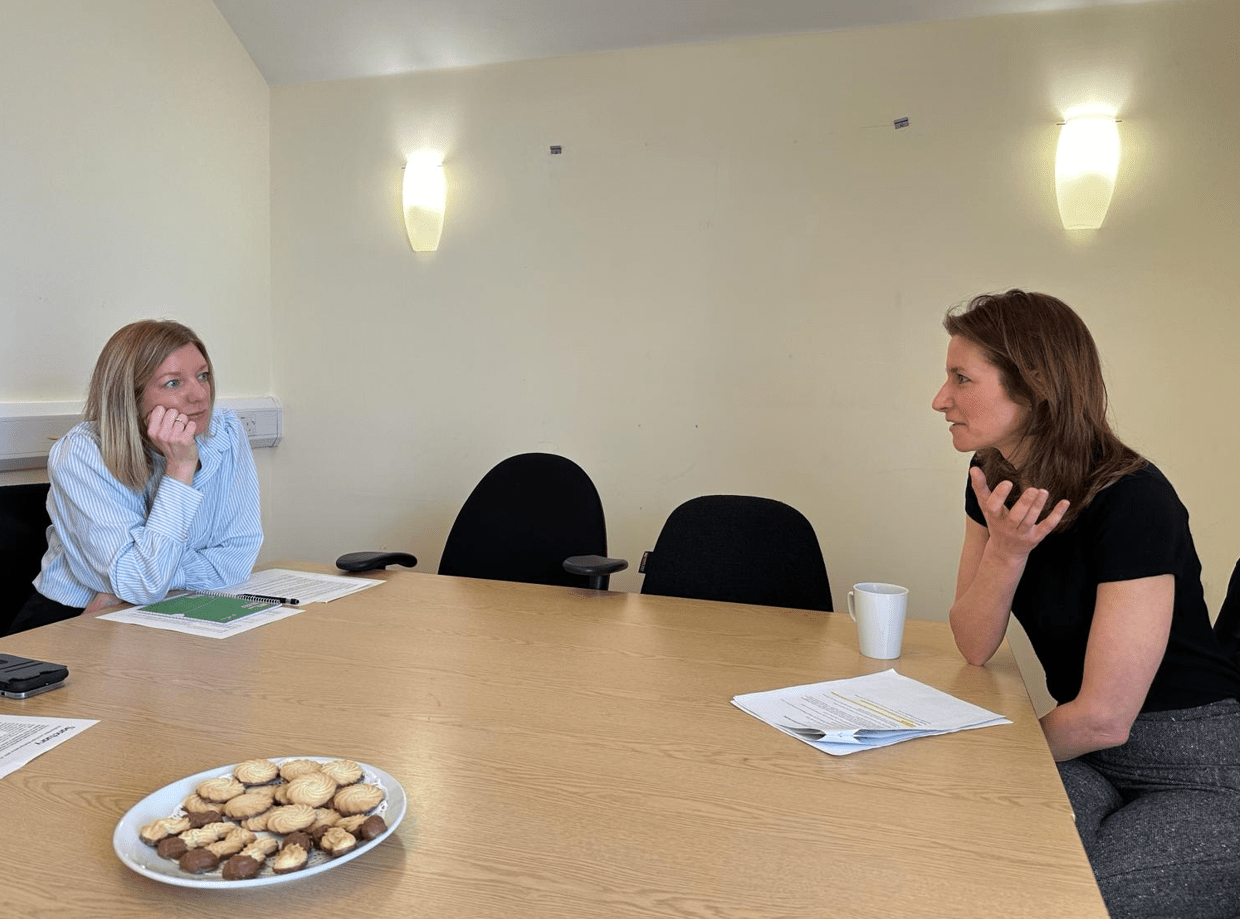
[
  {"x": 374, "y": 561},
  {"x": 597, "y": 568}
]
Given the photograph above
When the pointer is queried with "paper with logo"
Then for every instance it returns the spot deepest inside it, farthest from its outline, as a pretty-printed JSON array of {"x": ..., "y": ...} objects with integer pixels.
[{"x": 23, "y": 737}]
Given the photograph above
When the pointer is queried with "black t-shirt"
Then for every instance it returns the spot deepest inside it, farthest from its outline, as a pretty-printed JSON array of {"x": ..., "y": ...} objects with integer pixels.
[{"x": 1133, "y": 529}]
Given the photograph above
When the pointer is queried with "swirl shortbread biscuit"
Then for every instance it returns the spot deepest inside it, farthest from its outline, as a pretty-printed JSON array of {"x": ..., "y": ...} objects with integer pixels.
[
  {"x": 256, "y": 772},
  {"x": 343, "y": 771},
  {"x": 295, "y": 767},
  {"x": 357, "y": 799},
  {"x": 258, "y": 823},
  {"x": 196, "y": 805},
  {"x": 245, "y": 806},
  {"x": 290, "y": 818},
  {"x": 313, "y": 788},
  {"x": 326, "y": 816}
]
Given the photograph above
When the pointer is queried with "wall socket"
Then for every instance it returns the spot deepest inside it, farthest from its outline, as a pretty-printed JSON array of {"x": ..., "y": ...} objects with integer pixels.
[{"x": 262, "y": 418}]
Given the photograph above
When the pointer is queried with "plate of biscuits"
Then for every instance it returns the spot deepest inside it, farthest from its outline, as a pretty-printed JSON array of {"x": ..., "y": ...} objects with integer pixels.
[{"x": 262, "y": 821}]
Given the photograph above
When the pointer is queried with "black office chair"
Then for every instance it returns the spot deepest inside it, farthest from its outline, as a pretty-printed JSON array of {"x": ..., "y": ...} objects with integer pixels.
[
  {"x": 535, "y": 518},
  {"x": 23, "y": 540},
  {"x": 739, "y": 549},
  {"x": 1227, "y": 625}
]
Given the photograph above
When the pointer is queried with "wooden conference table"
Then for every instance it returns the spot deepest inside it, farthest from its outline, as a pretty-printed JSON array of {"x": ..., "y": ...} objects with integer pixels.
[{"x": 566, "y": 754}]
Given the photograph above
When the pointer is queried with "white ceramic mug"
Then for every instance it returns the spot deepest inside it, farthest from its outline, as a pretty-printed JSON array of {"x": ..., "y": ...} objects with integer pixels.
[{"x": 879, "y": 610}]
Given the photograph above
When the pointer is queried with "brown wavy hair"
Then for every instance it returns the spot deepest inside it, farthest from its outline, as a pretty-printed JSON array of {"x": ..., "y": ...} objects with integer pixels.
[
  {"x": 1047, "y": 362},
  {"x": 126, "y": 364}
]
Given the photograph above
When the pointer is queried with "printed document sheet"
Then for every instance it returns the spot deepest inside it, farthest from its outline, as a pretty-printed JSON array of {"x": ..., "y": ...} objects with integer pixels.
[
  {"x": 23, "y": 738},
  {"x": 303, "y": 586},
  {"x": 203, "y": 627},
  {"x": 278, "y": 583},
  {"x": 875, "y": 710}
]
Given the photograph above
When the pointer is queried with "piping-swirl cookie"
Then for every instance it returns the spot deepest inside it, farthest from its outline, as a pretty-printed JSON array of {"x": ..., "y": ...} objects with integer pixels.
[
  {"x": 248, "y": 805},
  {"x": 357, "y": 799},
  {"x": 296, "y": 767},
  {"x": 313, "y": 788},
  {"x": 290, "y": 818},
  {"x": 343, "y": 771},
  {"x": 256, "y": 772}
]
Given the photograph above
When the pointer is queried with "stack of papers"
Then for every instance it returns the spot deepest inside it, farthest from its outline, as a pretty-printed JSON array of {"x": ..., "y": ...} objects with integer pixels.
[
  {"x": 223, "y": 618},
  {"x": 207, "y": 617},
  {"x": 876, "y": 710}
]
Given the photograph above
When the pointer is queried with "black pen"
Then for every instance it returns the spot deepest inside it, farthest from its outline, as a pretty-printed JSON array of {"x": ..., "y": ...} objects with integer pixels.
[{"x": 284, "y": 601}]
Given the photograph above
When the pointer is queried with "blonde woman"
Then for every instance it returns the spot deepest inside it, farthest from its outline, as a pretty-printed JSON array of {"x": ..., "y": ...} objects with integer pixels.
[{"x": 154, "y": 491}]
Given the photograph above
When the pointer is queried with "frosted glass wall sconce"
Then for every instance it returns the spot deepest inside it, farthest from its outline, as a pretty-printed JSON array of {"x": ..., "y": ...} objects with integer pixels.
[
  {"x": 1085, "y": 165},
  {"x": 424, "y": 196}
]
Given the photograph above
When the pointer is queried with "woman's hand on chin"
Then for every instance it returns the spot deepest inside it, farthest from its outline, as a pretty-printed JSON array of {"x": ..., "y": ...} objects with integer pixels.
[{"x": 172, "y": 434}]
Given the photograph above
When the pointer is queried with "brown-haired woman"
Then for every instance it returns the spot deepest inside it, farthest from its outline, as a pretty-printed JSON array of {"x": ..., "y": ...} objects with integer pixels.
[
  {"x": 155, "y": 490},
  {"x": 1088, "y": 545}
]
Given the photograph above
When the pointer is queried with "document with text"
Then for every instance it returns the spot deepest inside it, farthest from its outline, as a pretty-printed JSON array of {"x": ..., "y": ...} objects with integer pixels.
[
  {"x": 22, "y": 738},
  {"x": 302, "y": 586},
  {"x": 861, "y": 713},
  {"x": 288, "y": 592},
  {"x": 176, "y": 614}
]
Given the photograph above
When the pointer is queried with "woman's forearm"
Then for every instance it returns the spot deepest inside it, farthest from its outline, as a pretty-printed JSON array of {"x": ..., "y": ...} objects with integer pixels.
[
  {"x": 992, "y": 562},
  {"x": 1074, "y": 728},
  {"x": 979, "y": 617},
  {"x": 1127, "y": 641}
]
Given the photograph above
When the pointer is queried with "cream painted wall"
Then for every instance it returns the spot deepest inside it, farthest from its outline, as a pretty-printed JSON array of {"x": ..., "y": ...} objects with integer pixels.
[
  {"x": 732, "y": 279},
  {"x": 134, "y": 142}
]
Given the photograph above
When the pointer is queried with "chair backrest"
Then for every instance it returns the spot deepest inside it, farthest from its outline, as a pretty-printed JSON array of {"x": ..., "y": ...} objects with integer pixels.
[
  {"x": 739, "y": 549},
  {"x": 526, "y": 516},
  {"x": 23, "y": 540},
  {"x": 1227, "y": 625}
]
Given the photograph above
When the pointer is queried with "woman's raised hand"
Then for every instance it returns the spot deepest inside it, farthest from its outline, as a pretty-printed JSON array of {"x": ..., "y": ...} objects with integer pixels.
[
  {"x": 172, "y": 434},
  {"x": 1016, "y": 530}
]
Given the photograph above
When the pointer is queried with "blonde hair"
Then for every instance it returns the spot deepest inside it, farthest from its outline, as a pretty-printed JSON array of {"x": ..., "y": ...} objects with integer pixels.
[{"x": 127, "y": 363}]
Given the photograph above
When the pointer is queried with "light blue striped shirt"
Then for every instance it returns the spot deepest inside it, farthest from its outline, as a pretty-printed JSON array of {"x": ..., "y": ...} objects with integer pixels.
[{"x": 138, "y": 545}]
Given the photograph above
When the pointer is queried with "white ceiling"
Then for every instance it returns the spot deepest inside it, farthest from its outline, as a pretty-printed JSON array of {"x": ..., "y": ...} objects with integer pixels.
[{"x": 300, "y": 41}]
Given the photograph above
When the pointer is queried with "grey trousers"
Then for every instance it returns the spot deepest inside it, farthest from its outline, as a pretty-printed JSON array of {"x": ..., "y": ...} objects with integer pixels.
[{"x": 1160, "y": 815}]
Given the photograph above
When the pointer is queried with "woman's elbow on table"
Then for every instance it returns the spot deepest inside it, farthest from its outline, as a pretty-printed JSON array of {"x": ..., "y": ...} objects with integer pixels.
[
  {"x": 974, "y": 648},
  {"x": 974, "y": 656}
]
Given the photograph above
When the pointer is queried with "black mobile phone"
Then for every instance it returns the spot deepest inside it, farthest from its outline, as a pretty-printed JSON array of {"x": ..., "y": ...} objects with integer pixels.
[{"x": 22, "y": 677}]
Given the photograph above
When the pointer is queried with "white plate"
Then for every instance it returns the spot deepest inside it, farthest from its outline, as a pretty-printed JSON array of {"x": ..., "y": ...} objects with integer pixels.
[{"x": 167, "y": 803}]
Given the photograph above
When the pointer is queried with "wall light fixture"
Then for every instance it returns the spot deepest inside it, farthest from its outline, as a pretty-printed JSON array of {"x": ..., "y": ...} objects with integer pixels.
[
  {"x": 424, "y": 195},
  {"x": 1086, "y": 162}
]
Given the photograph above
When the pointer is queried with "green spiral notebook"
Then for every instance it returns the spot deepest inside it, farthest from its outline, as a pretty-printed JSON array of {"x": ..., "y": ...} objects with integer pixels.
[{"x": 210, "y": 607}]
